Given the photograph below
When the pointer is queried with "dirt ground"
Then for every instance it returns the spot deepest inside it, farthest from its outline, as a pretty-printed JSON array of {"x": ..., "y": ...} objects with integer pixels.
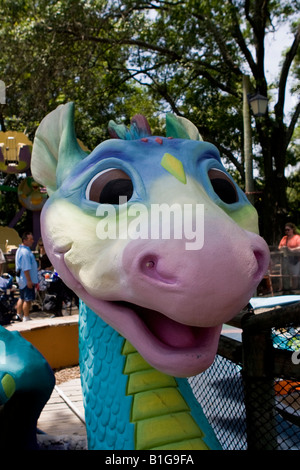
[{"x": 68, "y": 373}]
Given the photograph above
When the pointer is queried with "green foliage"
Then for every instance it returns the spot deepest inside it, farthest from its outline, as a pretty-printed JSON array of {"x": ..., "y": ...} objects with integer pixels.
[
  {"x": 9, "y": 203},
  {"x": 48, "y": 59},
  {"x": 293, "y": 191},
  {"x": 117, "y": 58}
]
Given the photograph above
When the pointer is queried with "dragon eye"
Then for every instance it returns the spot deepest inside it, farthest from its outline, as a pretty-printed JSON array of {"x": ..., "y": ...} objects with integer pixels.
[
  {"x": 108, "y": 186},
  {"x": 223, "y": 186}
]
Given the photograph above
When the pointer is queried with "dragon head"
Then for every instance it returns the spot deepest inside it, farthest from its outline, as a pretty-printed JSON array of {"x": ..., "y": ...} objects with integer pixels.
[{"x": 151, "y": 233}]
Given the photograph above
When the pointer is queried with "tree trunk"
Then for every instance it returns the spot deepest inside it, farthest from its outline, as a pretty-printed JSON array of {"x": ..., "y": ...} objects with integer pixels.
[
  {"x": 2, "y": 122},
  {"x": 274, "y": 205},
  {"x": 274, "y": 212}
]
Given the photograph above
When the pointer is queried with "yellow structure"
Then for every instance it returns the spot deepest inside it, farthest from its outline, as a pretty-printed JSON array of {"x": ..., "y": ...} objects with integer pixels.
[
  {"x": 55, "y": 338},
  {"x": 15, "y": 151},
  {"x": 9, "y": 239}
]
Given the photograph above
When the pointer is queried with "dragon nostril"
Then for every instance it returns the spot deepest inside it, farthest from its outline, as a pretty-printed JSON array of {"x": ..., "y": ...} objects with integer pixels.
[
  {"x": 261, "y": 264},
  {"x": 154, "y": 267},
  {"x": 150, "y": 264}
]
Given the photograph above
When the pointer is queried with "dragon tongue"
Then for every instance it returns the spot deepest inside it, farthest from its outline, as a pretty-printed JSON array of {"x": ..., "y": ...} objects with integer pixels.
[{"x": 169, "y": 331}]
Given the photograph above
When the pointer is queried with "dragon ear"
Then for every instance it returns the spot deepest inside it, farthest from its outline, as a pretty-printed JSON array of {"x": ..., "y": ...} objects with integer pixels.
[
  {"x": 181, "y": 128},
  {"x": 55, "y": 148}
]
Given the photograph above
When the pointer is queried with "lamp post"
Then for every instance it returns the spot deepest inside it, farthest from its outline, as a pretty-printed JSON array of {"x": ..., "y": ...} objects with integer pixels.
[
  {"x": 2, "y": 102},
  {"x": 258, "y": 104}
]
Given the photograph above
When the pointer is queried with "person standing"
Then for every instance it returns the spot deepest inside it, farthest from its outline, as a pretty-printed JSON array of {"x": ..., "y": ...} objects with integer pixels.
[
  {"x": 27, "y": 275},
  {"x": 290, "y": 243}
]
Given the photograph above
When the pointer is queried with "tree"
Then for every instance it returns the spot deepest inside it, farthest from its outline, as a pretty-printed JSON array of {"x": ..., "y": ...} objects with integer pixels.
[
  {"x": 198, "y": 52},
  {"x": 190, "y": 55},
  {"x": 45, "y": 62}
]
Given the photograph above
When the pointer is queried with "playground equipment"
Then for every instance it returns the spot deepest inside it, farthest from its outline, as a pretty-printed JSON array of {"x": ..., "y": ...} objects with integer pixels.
[
  {"x": 15, "y": 152},
  {"x": 15, "y": 157}
]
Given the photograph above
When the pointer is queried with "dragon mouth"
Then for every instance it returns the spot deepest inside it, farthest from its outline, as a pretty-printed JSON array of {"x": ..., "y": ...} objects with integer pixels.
[
  {"x": 170, "y": 333},
  {"x": 171, "y": 347}
]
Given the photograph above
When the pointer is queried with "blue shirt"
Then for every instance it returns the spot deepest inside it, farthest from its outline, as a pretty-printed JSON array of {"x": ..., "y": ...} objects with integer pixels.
[{"x": 25, "y": 261}]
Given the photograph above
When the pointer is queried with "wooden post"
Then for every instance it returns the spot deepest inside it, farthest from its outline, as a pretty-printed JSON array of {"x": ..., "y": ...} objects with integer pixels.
[
  {"x": 261, "y": 364},
  {"x": 259, "y": 388}
]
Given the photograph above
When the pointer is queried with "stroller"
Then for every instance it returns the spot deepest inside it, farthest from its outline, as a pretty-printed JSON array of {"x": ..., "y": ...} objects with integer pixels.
[
  {"x": 53, "y": 293},
  {"x": 7, "y": 299}
]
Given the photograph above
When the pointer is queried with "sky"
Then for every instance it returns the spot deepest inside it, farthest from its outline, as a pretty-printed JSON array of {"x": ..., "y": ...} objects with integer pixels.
[{"x": 275, "y": 44}]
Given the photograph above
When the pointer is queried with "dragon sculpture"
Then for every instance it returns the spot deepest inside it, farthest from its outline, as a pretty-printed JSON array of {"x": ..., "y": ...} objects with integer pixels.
[
  {"x": 154, "y": 290},
  {"x": 26, "y": 383}
]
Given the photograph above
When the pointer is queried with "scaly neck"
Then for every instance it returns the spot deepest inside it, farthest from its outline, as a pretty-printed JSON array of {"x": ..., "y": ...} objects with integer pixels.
[{"x": 129, "y": 404}]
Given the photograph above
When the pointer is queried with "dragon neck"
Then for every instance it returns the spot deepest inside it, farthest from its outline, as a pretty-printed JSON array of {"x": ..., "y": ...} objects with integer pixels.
[{"x": 129, "y": 404}]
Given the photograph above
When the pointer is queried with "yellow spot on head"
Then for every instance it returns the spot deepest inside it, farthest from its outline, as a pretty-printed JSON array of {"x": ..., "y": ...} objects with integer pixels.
[{"x": 173, "y": 166}]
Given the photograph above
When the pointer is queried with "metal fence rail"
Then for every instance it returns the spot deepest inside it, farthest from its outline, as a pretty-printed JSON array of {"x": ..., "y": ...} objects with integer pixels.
[{"x": 251, "y": 394}]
